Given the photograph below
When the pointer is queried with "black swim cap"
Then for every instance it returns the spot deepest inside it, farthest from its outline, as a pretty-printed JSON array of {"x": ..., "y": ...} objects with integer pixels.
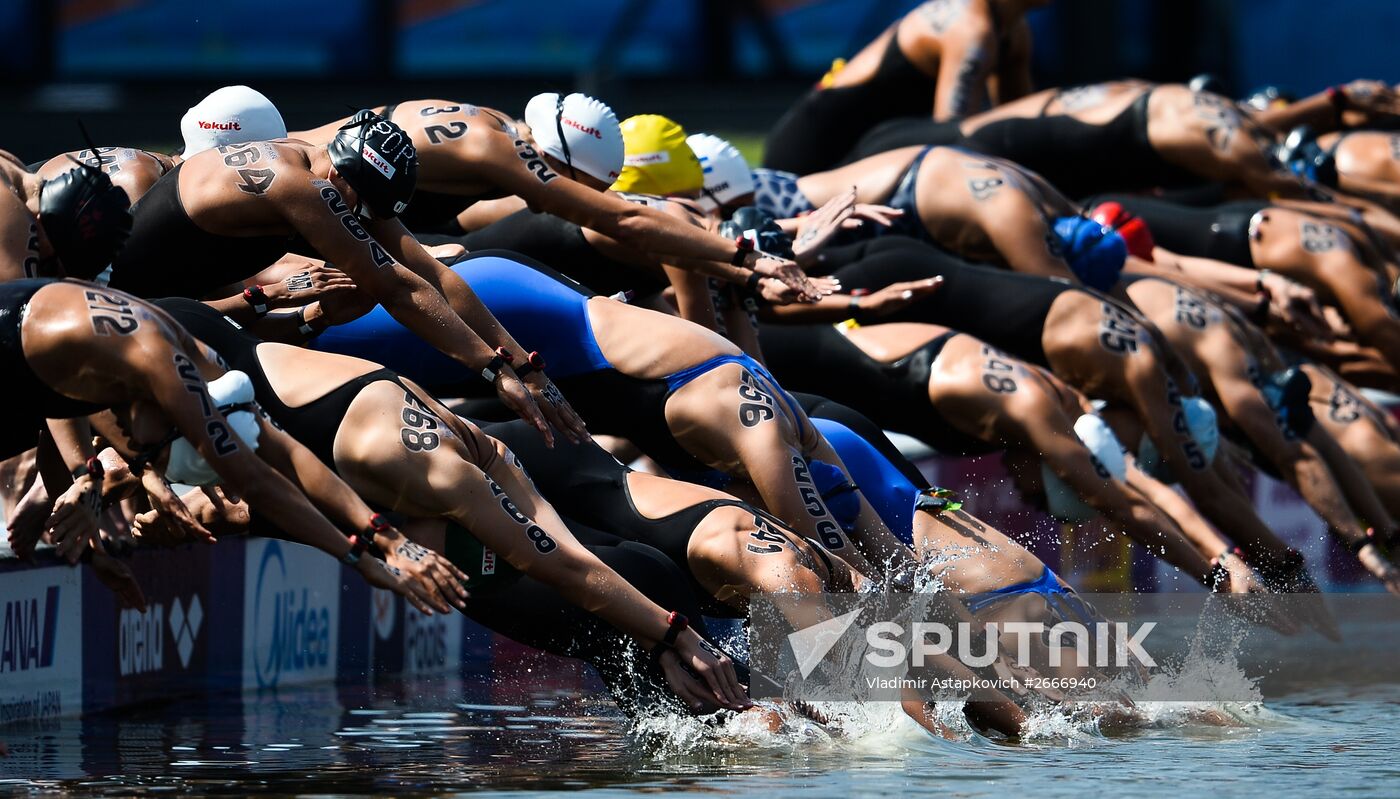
[
  {"x": 376, "y": 157},
  {"x": 86, "y": 218},
  {"x": 1206, "y": 82}
]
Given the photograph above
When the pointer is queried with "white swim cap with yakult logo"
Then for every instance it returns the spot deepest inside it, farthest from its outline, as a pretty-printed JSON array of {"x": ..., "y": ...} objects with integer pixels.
[
  {"x": 578, "y": 131},
  {"x": 231, "y": 115}
]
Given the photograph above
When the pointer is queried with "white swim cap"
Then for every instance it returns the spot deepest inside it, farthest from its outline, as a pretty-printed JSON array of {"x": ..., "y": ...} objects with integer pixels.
[
  {"x": 231, "y": 115},
  {"x": 186, "y": 464},
  {"x": 1107, "y": 454},
  {"x": 727, "y": 175},
  {"x": 592, "y": 140}
]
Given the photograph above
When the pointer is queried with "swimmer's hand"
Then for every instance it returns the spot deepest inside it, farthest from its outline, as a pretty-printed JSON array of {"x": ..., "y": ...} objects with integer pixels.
[
  {"x": 1380, "y": 567},
  {"x": 897, "y": 296},
  {"x": 381, "y": 575},
  {"x": 776, "y": 292},
  {"x": 721, "y": 685},
  {"x": 340, "y": 308},
  {"x": 1295, "y": 306},
  {"x": 1371, "y": 97},
  {"x": 169, "y": 522},
  {"x": 314, "y": 281},
  {"x": 817, "y": 228},
  {"x": 556, "y": 408},
  {"x": 75, "y": 517},
  {"x": 441, "y": 581},
  {"x": 791, "y": 275},
  {"x": 119, "y": 579}
]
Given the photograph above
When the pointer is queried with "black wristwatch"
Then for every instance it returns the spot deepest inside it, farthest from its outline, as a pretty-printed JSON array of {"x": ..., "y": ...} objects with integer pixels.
[
  {"x": 257, "y": 299},
  {"x": 492, "y": 370},
  {"x": 534, "y": 362},
  {"x": 358, "y": 545},
  {"x": 92, "y": 467},
  {"x": 745, "y": 246}
]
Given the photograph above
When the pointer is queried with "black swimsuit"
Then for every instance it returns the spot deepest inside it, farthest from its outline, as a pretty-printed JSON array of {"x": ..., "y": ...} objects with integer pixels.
[
  {"x": 29, "y": 399},
  {"x": 819, "y": 359},
  {"x": 588, "y": 485},
  {"x": 168, "y": 255},
  {"x": 826, "y": 123},
  {"x": 1220, "y": 232},
  {"x": 559, "y": 244},
  {"x": 1004, "y": 309},
  {"x": 1081, "y": 159},
  {"x": 314, "y": 424}
]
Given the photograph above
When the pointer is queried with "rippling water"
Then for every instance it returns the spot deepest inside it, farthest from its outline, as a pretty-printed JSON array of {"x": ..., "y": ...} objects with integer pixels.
[{"x": 454, "y": 734}]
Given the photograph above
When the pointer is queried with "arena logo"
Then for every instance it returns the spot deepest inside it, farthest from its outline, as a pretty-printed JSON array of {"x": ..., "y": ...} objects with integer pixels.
[
  {"x": 290, "y": 624},
  {"x": 141, "y": 636},
  {"x": 30, "y": 632},
  {"x": 219, "y": 125}
]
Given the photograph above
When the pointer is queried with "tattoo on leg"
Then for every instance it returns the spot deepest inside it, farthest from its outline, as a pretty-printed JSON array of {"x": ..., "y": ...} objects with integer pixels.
[
  {"x": 424, "y": 429},
  {"x": 1345, "y": 406},
  {"x": 111, "y": 313},
  {"x": 773, "y": 541},
  {"x": 756, "y": 404},
  {"x": 1319, "y": 237},
  {"x": 1190, "y": 309},
  {"x": 997, "y": 371},
  {"x": 1118, "y": 331}
]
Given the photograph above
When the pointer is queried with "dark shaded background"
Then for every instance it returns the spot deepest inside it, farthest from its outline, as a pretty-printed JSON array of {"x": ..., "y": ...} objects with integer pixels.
[{"x": 129, "y": 68}]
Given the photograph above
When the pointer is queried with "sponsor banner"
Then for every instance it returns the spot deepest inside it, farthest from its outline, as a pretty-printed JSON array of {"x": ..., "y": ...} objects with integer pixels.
[
  {"x": 41, "y": 644},
  {"x": 131, "y": 656},
  {"x": 291, "y": 614},
  {"x": 433, "y": 643}
]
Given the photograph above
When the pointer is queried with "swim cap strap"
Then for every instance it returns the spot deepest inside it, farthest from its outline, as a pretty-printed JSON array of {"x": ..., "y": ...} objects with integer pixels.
[{"x": 563, "y": 141}]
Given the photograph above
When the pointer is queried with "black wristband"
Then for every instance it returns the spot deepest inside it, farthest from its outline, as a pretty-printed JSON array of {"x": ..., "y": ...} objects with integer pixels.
[
  {"x": 677, "y": 622},
  {"x": 304, "y": 327},
  {"x": 492, "y": 370},
  {"x": 751, "y": 282},
  {"x": 257, "y": 299}
]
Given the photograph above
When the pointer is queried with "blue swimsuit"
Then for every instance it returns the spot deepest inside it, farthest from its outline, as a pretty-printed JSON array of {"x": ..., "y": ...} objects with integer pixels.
[{"x": 548, "y": 313}]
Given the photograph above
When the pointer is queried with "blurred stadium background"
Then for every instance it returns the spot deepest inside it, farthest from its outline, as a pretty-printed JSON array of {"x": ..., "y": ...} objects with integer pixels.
[{"x": 129, "y": 68}]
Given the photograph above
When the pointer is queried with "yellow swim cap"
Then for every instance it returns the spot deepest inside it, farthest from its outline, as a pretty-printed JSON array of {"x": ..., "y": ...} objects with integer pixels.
[{"x": 656, "y": 158}]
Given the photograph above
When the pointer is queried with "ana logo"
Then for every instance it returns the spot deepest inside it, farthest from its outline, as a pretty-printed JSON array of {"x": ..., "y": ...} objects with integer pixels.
[
  {"x": 379, "y": 162},
  {"x": 31, "y": 627},
  {"x": 219, "y": 125},
  {"x": 184, "y": 626},
  {"x": 289, "y": 634}
]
